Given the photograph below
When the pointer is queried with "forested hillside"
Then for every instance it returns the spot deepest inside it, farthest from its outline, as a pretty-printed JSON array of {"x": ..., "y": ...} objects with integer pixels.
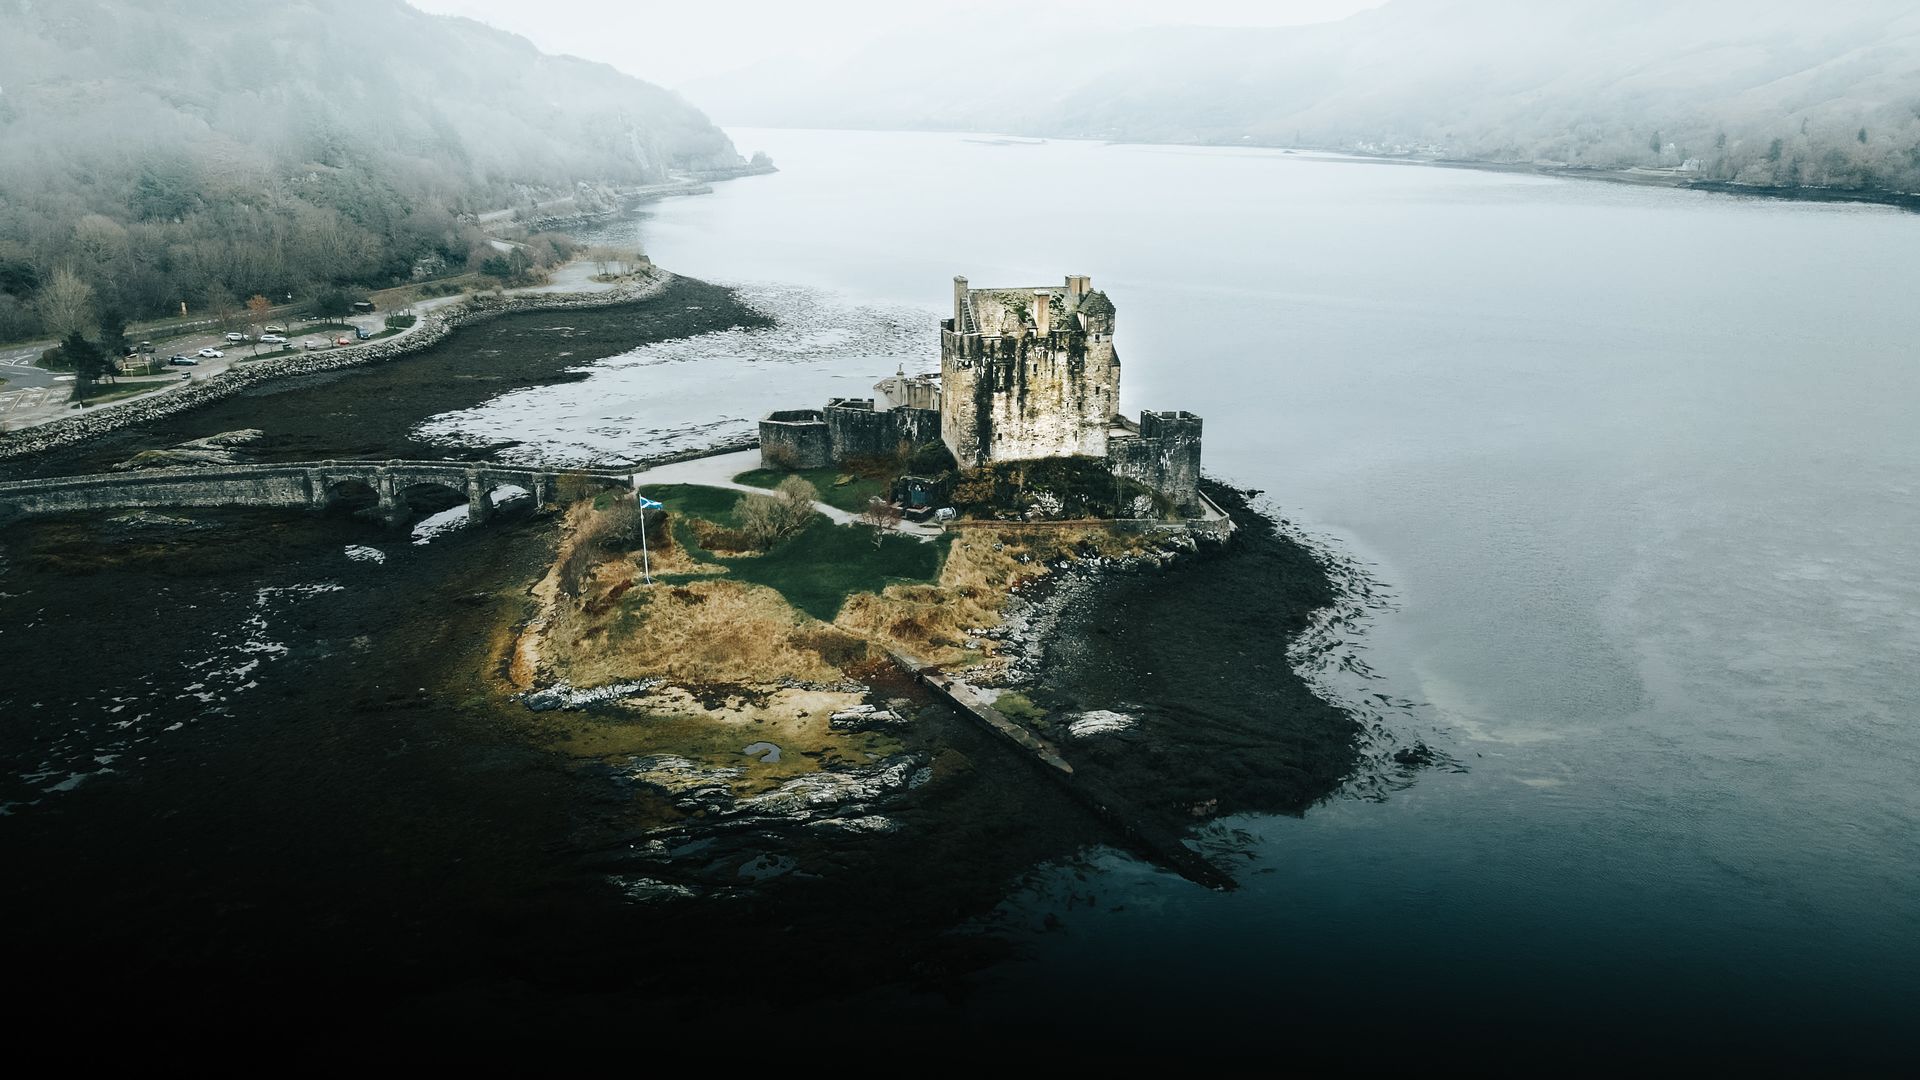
[
  {"x": 180, "y": 150},
  {"x": 1766, "y": 92}
]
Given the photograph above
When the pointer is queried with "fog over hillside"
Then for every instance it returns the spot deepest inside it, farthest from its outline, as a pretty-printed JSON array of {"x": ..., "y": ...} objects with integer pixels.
[
  {"x": 166, "y": 150},
  {"x": 1761, "y": 92}
]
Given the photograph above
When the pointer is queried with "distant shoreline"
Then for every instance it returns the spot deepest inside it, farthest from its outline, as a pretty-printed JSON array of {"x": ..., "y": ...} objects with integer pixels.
[{"x": 1904, "y": 200}]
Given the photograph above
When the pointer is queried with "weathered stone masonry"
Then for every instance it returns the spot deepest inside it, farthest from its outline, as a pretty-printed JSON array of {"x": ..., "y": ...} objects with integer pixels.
[
  {"x": 1027, "y": 373},
  {"x": 1024, "y": 374},
  {"x": 1162, "y": 453},
  {"x": 795, "y": 439}
]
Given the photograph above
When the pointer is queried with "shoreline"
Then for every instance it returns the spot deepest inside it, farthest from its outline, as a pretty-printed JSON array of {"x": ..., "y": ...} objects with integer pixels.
[
  {"x": 434, "y": 327},
  {"x": 1901, "y": 200}
]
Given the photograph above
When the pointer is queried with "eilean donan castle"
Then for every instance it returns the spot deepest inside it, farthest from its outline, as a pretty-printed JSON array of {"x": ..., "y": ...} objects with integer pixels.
[{"x": 1025, "y": 374}]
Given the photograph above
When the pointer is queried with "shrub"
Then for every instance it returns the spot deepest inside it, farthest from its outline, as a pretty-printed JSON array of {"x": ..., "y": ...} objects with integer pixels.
[
  {"x": 768, "y": 519},
  {"x": 797, "y": 497},
  {"x": 760, "y": 519},
  {"x": 930, "y": 459}
]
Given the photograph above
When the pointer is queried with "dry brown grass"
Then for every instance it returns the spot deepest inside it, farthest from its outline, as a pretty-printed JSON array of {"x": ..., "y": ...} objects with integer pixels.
[
  {"x": 713, "y": 630},
  {"x": 706, "y": 631},
  {"x": 983, "y": 566}
]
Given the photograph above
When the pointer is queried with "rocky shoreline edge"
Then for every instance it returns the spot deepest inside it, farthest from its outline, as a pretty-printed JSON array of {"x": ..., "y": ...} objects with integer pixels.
[
  {"x": 772, "y": 832},
  {"x": 436, "y": 327}
]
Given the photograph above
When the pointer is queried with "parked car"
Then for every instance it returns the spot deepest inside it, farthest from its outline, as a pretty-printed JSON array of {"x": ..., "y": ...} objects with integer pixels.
[
  {"x": 182, "y": 361},
  {"x": 234, "y": 336},
  {"x": 272, "y": 339},
  {"x": 210, "y": 354},
  {"x": 343, "y": 341},
  {"x": 145, "y": 347},
  {"x": 275, "y": 328},
  {"x": 313, "y": 343},
  {"x": 363, "y": 306}
]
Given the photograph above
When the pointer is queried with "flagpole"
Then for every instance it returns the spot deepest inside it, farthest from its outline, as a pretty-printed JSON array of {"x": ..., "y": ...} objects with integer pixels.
[
  {"x": 646, "y": 561},
  {"x": 646, "y": 557}
]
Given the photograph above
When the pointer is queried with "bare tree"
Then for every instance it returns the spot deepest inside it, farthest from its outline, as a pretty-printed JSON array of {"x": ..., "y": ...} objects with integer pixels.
[
  {"x": 65, "y": 304},
  {"x": 220, "y": 304},
  {"x": 881, "y": 516}
]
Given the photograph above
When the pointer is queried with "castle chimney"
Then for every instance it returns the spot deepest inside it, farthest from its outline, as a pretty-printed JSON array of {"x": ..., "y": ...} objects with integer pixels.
[
  {"x": 1042, "y": 311},
  {"x": 1078, "y": 285},
  {"x": 959, "y": 303}
]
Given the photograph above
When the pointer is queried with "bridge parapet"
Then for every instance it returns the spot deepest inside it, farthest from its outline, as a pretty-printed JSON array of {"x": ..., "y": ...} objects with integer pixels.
[{"x": 292, "y": 484}]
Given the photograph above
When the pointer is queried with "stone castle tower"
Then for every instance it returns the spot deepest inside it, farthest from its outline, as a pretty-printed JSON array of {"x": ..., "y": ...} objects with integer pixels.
[{"x": 1028, "y": 373}]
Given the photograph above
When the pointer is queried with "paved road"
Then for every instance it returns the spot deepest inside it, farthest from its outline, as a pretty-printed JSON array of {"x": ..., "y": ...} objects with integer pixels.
[
  {"x": 15, "y": 367},
  {"x": 33, "y": 396}
]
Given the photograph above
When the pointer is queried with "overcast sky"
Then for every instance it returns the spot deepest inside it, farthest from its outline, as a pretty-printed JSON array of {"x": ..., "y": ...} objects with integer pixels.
[{"x": 681, "y": 40}]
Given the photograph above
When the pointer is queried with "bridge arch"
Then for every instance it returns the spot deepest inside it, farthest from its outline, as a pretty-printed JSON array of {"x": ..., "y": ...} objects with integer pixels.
[{"x": 351, "y": 494}]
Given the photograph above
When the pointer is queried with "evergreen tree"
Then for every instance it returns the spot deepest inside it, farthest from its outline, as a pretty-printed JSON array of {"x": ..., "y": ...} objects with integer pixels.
[{"x": 88, "y": 361}]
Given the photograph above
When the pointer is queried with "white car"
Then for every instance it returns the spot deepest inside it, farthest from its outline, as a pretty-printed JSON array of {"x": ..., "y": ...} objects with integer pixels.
[
  {"x": 210, "y": 354},
  {"x": 312, "y": 344},
  {"x": 234, "y": 336},
  {"x": 272, "y": 339}
]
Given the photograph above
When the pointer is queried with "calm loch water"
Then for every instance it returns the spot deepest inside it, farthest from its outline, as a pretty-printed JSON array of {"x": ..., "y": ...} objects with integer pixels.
[{"x": 1639, "y": 466}]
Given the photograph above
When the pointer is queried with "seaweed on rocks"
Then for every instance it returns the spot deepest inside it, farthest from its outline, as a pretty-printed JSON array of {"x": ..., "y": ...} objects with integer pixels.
[{"x": 1186, "y": 666}]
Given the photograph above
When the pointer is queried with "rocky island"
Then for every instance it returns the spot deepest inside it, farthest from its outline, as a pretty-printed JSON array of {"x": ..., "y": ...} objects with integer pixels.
[{"x": 980, "y": 628}]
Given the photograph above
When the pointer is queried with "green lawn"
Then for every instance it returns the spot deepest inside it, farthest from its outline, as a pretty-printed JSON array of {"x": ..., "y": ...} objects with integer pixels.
[
  {"x": 826, "y": 563},
  {"x": 695, "y": 500},
  {"x": 816, "y": 569},
  {"x": 851, "y": 496}
]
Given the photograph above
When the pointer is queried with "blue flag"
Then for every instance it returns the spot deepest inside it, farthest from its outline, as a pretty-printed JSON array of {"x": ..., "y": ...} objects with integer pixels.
[{"x": 649, "y": 504}]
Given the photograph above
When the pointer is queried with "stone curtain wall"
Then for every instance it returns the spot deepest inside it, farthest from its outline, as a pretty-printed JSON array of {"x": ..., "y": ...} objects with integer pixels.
[
  {"x": 1031, "y": 396},
  {"x": 435, "y": 326},
  {"x": 855, "y": 430},
  {"x": 846, "y": 428},
  {"x": 1165, "y": 456},
  {"x": 794, "y": 439}
]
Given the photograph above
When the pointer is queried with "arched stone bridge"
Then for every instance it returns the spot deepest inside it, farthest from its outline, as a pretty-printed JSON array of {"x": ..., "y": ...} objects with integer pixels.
[{"x": 316, "y": 484}]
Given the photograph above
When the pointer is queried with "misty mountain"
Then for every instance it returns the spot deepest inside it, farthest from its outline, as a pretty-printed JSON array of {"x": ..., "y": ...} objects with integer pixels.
[
  {"x": 1755, "y": 91},
  {"x": 166, "y": 149}
]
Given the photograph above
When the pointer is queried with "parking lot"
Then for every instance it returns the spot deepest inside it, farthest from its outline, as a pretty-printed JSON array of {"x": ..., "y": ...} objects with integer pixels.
[{"x": 33, "y": 395}]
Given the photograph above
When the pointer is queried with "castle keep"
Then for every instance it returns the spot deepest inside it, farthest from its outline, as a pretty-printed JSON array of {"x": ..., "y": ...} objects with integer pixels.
[{"x": 1025, "y": 374}]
